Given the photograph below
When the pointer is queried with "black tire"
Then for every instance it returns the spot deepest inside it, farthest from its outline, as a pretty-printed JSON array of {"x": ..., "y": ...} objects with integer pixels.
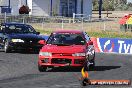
[
  {"x": 7, "y": 49},
  {"x": 42, "y": 68},
  {"x": 92, "y": 66},
  {"x": 86, "y": 82}
]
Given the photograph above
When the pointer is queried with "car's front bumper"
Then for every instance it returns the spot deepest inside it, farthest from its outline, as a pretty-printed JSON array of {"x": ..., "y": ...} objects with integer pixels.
[
  {"x": 61, "y": 61},
  {"x": 22, "y": 45}
]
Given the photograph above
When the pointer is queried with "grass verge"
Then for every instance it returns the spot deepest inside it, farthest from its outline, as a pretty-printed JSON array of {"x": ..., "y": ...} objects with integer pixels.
[{"x": 99, "y": 33}]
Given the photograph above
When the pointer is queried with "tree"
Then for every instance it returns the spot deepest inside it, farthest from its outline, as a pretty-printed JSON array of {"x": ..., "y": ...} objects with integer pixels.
[
  {"x": 24, "y": 10},
  {"x": 95, "y": 5},
  {"x": 107, "y": 5},
  {"x": 120, "y": 1},
  {"x": 110, "y": 5},
  {"x": 130, "y": 6}
]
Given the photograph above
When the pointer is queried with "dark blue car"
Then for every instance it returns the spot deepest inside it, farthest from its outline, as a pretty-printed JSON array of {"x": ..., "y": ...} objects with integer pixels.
[{"x": 15, "y": 36}]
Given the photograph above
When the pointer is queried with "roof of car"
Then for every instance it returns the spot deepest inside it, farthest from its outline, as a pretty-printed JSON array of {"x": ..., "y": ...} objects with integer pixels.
[{"x": 68, "y": 31}]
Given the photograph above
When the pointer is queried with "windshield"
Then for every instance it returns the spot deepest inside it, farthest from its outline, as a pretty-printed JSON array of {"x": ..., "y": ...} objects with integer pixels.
[
  {"x": 66, "y": 39},
  {"x": 20, "y": 28}
]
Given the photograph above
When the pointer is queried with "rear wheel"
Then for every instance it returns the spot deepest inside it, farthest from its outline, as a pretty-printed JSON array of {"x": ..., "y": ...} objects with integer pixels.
[
  {"x": 7, "y": 49},
  {"x": 42, "y": 68}
]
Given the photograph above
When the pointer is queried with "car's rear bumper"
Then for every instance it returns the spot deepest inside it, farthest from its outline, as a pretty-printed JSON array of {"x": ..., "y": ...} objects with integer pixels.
[{"x": 61, "y": 61}]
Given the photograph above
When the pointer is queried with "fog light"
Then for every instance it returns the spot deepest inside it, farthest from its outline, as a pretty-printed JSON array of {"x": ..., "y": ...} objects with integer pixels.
[
  {"x": 46, "y": 60},
  {"x": 79, "y": 61},
  {"x": 76, "y": 61}
]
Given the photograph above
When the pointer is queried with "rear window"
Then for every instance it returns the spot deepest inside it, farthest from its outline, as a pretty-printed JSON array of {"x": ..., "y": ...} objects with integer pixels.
[{"x": 18, "y": 28}]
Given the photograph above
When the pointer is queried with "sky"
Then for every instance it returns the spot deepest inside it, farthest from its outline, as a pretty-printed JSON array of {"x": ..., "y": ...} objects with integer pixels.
[{"x": 129, "y": 0}]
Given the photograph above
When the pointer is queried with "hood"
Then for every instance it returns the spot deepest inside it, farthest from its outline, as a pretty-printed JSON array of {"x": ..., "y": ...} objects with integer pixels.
[
  {"x": 26, "y": 36},
  {"x": 64, "y": 49}
]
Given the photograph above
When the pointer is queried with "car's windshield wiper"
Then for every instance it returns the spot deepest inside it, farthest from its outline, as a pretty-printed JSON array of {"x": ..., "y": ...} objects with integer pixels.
[
  {"x": 78, "y": 44},
  {"x": 61, "y": 44}
]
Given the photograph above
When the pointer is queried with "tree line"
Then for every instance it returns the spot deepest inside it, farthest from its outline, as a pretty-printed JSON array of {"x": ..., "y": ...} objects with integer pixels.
[{"x": 113, "y": 5}]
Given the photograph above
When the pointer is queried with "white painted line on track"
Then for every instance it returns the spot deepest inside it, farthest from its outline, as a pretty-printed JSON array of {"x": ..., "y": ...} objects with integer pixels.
[{"x": 115, "y": 53}]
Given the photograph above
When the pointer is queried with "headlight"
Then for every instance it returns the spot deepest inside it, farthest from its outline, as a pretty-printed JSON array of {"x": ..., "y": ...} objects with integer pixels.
[
  {"x": 79, "y": 54},
  {"x": 17, "y": 40},
  {"x": 45, "y": 54}
]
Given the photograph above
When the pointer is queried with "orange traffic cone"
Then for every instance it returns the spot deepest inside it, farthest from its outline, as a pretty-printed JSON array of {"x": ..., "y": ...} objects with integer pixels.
[
  {"x": 84, "y": 73},
  {"x": 85, "y": 77}
]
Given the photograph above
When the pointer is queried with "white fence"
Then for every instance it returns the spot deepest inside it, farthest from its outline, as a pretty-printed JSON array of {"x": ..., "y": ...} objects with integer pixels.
[{"x": 51, "y": 23}]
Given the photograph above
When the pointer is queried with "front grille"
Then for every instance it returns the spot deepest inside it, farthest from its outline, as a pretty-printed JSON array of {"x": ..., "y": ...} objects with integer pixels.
[
  {"x": 61, "y": 61},
  {"x": 31, "y": 42},
  {"x": 61, "y": 54}
]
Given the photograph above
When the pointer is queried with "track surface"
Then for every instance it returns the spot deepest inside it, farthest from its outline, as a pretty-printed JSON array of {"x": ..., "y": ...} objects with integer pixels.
[{"x": 19, "y": 70}]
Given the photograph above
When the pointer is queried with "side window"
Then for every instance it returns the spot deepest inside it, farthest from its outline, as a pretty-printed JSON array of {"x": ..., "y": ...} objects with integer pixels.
[
  {"x": 49, "y": 41},
  {"x": 86, "y": 36}
]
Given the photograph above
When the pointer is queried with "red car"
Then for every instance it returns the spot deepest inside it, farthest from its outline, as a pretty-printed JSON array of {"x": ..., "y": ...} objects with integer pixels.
[{"x": 66, "y": 48}]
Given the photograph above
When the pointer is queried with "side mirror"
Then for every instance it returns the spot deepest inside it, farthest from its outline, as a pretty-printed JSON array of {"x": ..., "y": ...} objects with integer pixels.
[
  {"x": 42, "y": 42},
  {"x": 90, "y": 43}
]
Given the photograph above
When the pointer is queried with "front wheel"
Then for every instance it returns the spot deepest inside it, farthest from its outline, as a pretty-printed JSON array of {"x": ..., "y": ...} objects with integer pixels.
[
  {"x": 6, "y": 47},
  {"x": 89, "y": 65},
  {"x": 92, "y": 66},
  {"x": 42, "y": 68}
]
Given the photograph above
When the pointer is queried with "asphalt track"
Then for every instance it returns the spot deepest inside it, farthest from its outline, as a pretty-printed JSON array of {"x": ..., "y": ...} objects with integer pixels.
[{"x": 19, "y": 70}]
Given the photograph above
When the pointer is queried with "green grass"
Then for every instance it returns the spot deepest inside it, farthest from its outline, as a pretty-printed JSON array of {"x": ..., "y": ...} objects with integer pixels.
[
  {"x": 101, "y": 34},
  {"x": 107, "y": 34},
  {"x": 94, "y": 29},
  {"x": 47, "y": 32}
]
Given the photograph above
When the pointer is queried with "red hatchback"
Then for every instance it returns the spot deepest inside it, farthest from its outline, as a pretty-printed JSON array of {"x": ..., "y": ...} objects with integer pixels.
[{"x": 66, "y": 48}]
